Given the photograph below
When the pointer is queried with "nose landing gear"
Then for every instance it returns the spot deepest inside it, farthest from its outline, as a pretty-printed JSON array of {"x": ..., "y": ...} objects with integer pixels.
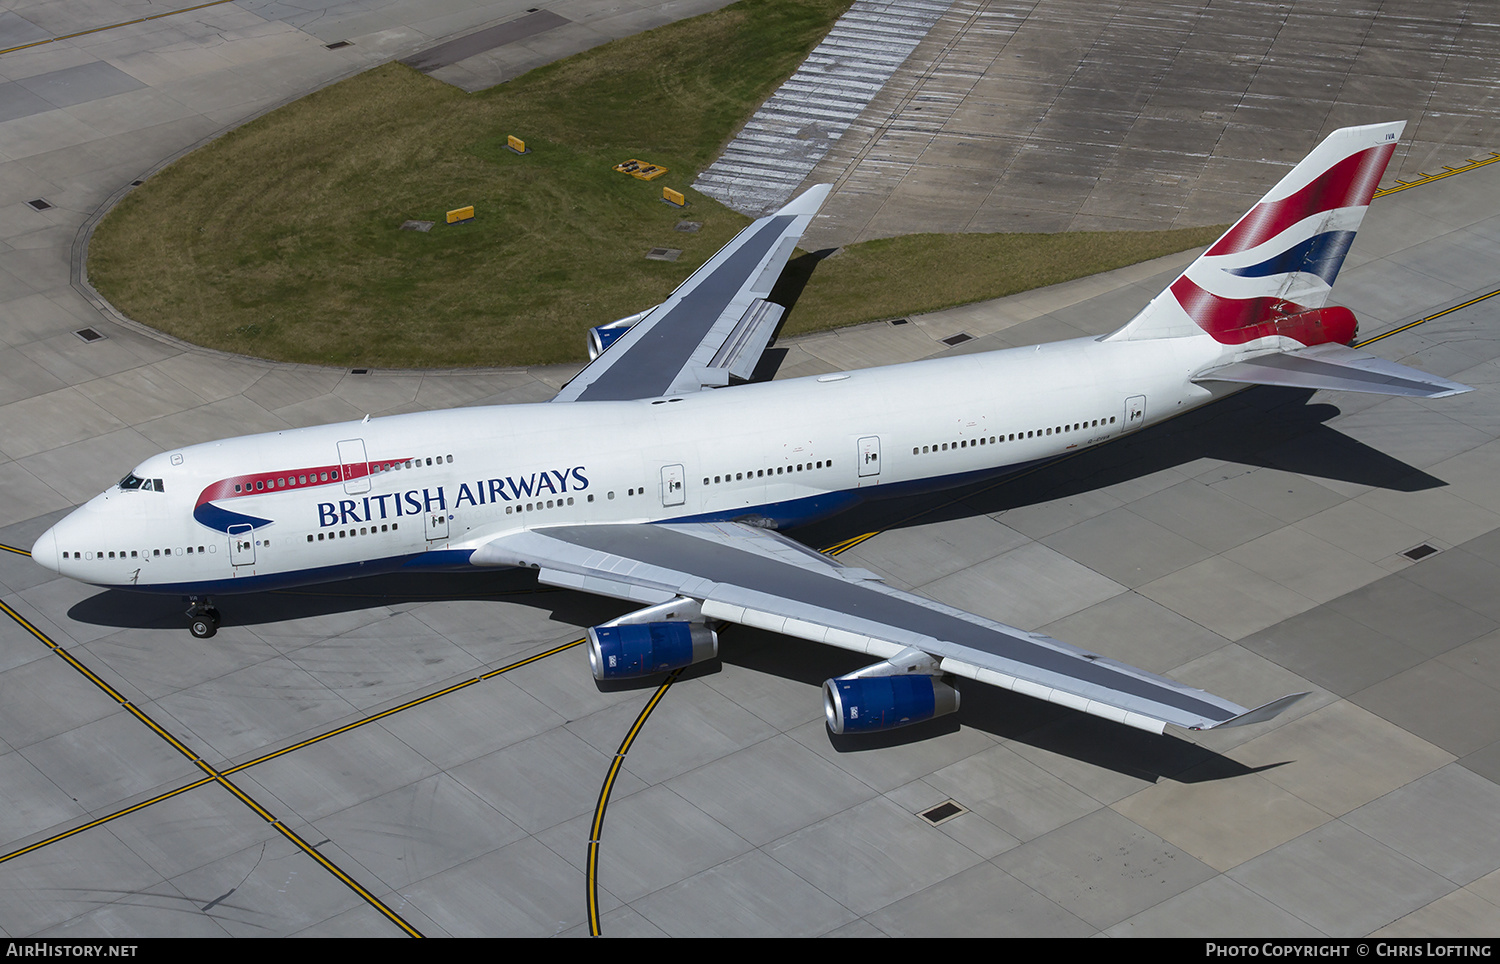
[{"x": 203, "y": 618}]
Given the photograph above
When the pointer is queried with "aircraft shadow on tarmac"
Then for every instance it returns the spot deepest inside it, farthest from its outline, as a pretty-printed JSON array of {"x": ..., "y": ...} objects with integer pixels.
[
  {"x": 121, "y": 609},
  {"x": 999, "y": 713},
  {"x": 1261, "y": 427}
]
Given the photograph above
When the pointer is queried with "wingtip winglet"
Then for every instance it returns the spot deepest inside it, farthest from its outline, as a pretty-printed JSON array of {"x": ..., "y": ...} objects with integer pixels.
[
  {"x": 1260, "y": 714},
  {"x": 808, "y": 202},
  {"x": 1461, "y": 389}
]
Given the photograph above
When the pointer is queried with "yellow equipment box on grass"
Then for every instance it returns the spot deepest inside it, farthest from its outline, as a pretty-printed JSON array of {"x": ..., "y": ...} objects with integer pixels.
[{"x": 640, "y": 169}]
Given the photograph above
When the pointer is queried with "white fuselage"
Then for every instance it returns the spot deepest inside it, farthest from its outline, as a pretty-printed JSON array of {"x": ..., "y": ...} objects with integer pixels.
[{"x": 441, "y": 484}]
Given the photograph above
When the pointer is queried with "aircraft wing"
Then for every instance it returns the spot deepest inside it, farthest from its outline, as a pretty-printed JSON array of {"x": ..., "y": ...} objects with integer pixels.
[
  {"x": 716, "y": 324},
  {"x": 1335, "y": 368},
  {"x": 755, "y": 577}
]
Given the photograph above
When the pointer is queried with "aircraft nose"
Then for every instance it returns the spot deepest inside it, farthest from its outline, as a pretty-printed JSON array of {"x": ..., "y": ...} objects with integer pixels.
[{"x": 45, "y": 553}]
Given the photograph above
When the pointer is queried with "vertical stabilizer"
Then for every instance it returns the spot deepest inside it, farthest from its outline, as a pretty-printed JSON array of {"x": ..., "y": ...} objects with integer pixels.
[{"x": 1260, "y": 284}]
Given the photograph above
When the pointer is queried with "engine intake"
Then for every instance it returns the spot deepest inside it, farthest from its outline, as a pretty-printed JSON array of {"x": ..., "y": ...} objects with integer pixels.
[
  {"x": 630, "y": 651},
  {"x": 603, "y": 336}
]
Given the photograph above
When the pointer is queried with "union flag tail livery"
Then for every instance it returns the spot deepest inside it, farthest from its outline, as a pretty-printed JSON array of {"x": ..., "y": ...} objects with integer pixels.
[
  {"x": 1253, "y": 307},
  {"x": 1265, "y": 282}
]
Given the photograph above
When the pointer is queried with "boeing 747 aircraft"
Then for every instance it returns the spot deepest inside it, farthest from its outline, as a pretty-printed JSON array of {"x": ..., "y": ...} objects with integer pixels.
[{"x": 660, "y": 477}]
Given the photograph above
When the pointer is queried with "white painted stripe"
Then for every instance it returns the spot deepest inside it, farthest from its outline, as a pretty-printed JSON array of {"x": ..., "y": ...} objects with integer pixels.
[{"x": 760, "y": 168}]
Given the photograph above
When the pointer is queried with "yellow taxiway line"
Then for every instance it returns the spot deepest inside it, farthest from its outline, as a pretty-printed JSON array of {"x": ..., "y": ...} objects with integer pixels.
[{"x": 112, "y": 26}]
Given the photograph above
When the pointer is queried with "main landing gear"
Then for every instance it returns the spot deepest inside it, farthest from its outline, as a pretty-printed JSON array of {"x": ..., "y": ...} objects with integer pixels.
[{"x": 203, "y": 618}]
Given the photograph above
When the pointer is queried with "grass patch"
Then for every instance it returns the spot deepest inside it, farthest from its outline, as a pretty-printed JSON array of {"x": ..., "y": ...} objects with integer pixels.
[
  {"x": 927, "y": 272},
  {"x": 281, "y": 239}
]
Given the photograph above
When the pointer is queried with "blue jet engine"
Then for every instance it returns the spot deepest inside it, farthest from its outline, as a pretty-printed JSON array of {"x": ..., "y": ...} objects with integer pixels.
[
  {"x": 603, "y": 336},
  {"x": 641, "y": 649},
  {"x": 903, "y": 690}
]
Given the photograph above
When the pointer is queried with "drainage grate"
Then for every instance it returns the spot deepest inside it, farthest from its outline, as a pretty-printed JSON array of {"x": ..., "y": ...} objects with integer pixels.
[
  {"x": 40, "y": 204},
  {"x": 664, "y": 254},
  {"x": 359, "y": 371},
  {"x": 337, "y": 44},
  {"x": 958, "y": 339},
  {"x": 89, "y": 334},
  {"x": 942, "y": 813},
  {"x": 900, "y": 321},
  {"x": 1420, "y": 552}
]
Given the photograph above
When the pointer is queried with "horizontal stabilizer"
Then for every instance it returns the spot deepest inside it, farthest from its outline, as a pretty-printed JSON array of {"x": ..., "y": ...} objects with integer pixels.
[{"x": 1336, "y": 369}]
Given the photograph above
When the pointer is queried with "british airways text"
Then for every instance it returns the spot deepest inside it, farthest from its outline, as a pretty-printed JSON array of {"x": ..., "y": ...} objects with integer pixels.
[{"x": 394, "y": 505}]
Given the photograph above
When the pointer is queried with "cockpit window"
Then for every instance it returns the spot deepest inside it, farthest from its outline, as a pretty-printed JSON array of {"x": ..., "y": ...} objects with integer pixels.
[{"x": 145, "y": 485}]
